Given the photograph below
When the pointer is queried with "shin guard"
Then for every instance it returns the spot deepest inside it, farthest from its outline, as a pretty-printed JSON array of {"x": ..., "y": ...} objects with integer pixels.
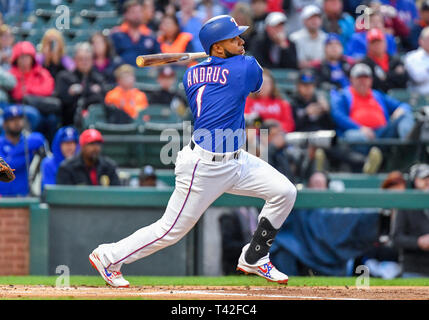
[{"x": 261, "y": 241}]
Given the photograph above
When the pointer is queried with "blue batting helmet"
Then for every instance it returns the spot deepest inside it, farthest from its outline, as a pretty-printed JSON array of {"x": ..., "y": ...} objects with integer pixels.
[{"x": 219, "y": 28}]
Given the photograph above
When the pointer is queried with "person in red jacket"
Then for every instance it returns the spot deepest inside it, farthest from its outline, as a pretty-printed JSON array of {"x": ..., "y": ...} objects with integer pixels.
[
  {"x": 33, "y": 85},
  {"x": 267, "y": 103},
  {"x": 32, "y": 79}
]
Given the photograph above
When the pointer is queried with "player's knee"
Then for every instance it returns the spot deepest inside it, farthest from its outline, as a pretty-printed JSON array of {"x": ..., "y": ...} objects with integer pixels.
[{"x": 287, "y": 191}]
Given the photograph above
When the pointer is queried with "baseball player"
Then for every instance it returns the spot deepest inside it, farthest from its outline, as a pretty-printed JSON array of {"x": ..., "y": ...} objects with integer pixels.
[{"x": 213, "y": 163}]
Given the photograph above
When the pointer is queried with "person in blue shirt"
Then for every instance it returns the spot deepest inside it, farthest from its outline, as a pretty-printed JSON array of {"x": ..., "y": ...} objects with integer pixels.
[
  {"x": 18, "y": 149},
  {"x": 132, "y": 38},
  {"x": 213, "y": 162},
  {"x": 64, "y": 146},
  {"x": 357, "y": 46},
  {"x": 335, "y": 20},
  {"x": 190, "y": 22},
  {"x": 407, "y": 10}
]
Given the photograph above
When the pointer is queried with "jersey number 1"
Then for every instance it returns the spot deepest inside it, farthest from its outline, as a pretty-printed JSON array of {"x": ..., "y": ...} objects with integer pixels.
[{"x": 200, "y": 99}]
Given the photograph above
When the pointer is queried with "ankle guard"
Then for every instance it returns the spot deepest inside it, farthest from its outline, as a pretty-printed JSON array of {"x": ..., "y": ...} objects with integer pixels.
[{"x": 261, "y": 241}]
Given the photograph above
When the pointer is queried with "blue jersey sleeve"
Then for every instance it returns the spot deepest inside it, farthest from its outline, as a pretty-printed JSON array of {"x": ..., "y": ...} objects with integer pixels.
[{"x": 253, "y": 74}]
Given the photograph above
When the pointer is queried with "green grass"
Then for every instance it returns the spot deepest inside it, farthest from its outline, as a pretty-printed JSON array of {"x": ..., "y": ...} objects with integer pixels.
[{"x": 210, "y": 281}]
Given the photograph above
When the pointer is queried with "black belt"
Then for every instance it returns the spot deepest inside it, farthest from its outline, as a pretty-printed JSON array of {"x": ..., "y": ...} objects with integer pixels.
[{"x": 216, "y": 157}]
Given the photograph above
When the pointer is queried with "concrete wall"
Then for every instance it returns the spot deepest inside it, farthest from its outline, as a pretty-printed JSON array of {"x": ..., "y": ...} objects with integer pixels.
[{"x": 75, "y": 231}]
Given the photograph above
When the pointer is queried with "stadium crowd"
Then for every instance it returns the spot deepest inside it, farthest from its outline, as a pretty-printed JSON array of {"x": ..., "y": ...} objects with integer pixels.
[{"x": 343, "y": 59}]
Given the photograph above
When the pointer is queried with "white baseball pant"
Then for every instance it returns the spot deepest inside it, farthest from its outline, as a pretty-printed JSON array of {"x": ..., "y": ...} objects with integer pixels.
[{"x": 199, "y": 182}]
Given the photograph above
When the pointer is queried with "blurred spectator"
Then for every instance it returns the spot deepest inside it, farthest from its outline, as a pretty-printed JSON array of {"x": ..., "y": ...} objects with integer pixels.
[
  {"x": 16, "y": 8},
  {"x": 278, "y": 155},
  {"x": 18, "y": 150},
  {"x": 294, "y": 9},
  {"x": 148, "y": 178},
  {"x": 388, "y": 71},
  {"x": 418, "y": 25},
  {"x": 190, "y": 22},
  {"x": 310, "y": 110},
  {"x": 259, "y": 14},
  {"x": 319, "y": 180},
  {"x": 34, "y": 87},
  {"x": 393, "y": 23},
  {"x": 6, "y": 43},
  {"x": 272, "y": 48},
  {"x": 363, "y": 114},
  {"x": 268, "y": 104},
  {"x": 335, "y": 20},
  {"x": 79, "y": 88},
  {"x": 242, "y": 13},
  {"x": 32, "y": 79},
  {"x": 335, "y": 68},
  {"x": 148, "y": 15},
  {"x": 125, "y": 96},
  {"x": 64, "y": 146},
  {"x": 89, "y": 167},
  {"x": 411, "y": 230},
  {"x": 168, "y": 93},
  {"x": 7, "y": 83},
  {"x": 208, "y": 9},
  {"x": 357, "y": 46},
  {"x": 170, "y": 37},
  {"x": 132, "y": 38},
  {"x": 53, "y": 53},
  {"x": 105, "y": 58},
  {"x": 310, "y": 40},
  {"x": 406, "y": 10},
  {"x": 417, "y": 65}
]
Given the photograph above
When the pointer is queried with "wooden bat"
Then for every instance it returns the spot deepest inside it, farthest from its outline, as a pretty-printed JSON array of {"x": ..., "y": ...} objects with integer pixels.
[{"x": 158, "y": 59}]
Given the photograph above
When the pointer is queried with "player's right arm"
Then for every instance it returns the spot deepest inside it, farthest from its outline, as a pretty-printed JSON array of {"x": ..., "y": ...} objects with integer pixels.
[{"x": 253, "y": 74}]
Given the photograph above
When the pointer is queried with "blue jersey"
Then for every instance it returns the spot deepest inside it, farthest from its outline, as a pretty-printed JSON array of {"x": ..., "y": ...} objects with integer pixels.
[{"x": 217, "y": 90}]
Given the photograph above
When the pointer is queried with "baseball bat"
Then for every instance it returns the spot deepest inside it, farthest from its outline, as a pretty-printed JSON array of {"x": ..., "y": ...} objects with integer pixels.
[{"x": 158, "y": 59}]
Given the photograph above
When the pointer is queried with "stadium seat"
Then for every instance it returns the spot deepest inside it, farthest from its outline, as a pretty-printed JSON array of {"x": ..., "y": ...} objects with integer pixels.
[
  {"x": 419, "y": 101},
  {"x": 285, "y": 79},
  {"x": 158, "y": 113},
  {"x": 402, "y": 95},
  {"x": 126, "y": 151},
  {"x": 45, "y": 4},
  {"x": 118, "y": 129},
  {"x": 96, "y": 113}
]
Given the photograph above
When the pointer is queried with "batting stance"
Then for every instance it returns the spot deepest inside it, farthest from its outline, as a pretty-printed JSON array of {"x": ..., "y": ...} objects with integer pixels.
[{"x": 213, "y": 163}]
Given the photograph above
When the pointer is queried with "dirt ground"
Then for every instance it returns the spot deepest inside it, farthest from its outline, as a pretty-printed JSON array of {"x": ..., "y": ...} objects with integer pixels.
[{"x": 217, "y": 293}]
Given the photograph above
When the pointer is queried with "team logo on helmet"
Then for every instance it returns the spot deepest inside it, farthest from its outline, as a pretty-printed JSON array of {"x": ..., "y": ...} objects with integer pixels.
[{"x": 235, "y": 22}]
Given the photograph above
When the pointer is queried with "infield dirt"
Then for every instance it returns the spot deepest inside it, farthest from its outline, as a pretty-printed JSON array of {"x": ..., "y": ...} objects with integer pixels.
[{"x": 216, "y": 293}]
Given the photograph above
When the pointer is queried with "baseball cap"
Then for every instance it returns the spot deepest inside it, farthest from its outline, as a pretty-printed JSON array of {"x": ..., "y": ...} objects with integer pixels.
[
  {"x": 90, "y": 136},
  {"x": 425, "y": 6},
  {"x": 69, "y": 134},
  {"x": 12, "y": 112},
  {"x": 275, "y": 18},
  {"x": 309, "y": 11},
  {"x": 374, "y": 34},
  {"x": 332, "y": 37},
  {"x": 306, "y": 76},
  {"x": 359, "y": 70}
]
